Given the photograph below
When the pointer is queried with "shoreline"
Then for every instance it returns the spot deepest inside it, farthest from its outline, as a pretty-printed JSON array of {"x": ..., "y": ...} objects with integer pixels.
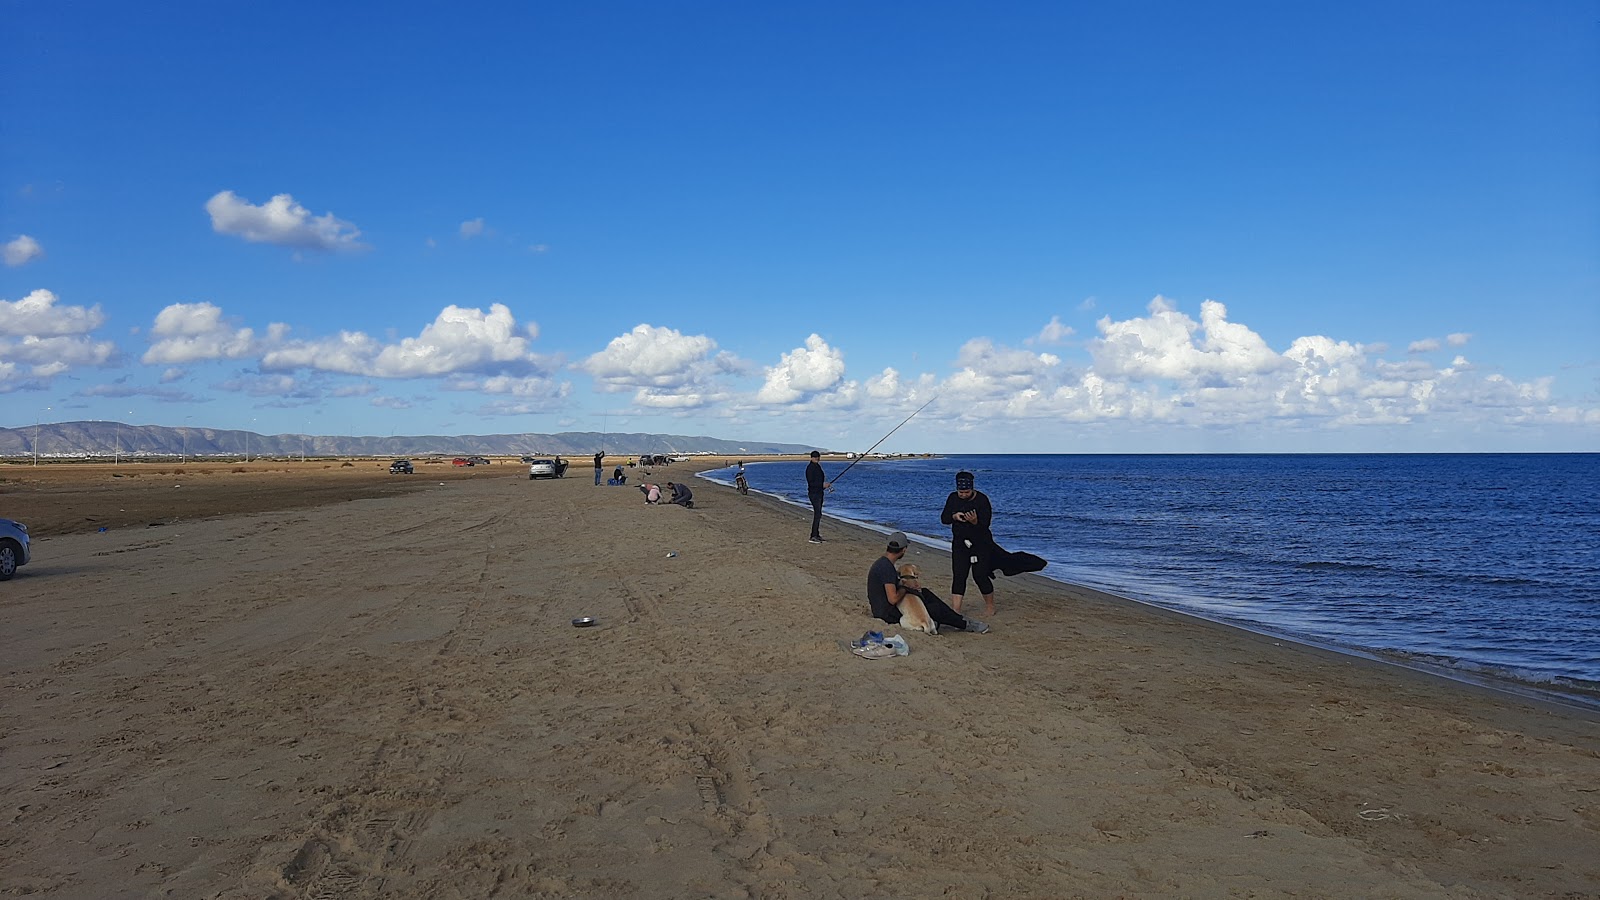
[
  {"x": 1577, "y": 696},
  {"x": 386, "y": 696}
]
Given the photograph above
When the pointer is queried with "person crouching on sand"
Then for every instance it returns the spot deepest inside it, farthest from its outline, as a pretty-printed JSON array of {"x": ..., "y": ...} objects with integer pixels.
[
  {"x": 652, "y": 493},
  {"x": 681, "y": 495},
  {"x": 885, "y": 590}
]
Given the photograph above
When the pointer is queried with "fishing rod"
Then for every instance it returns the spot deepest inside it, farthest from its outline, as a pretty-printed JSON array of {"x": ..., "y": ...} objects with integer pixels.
[{"x": 881, "y": 440}]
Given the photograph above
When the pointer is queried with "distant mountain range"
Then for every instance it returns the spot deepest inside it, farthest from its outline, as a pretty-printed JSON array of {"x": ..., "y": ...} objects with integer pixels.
[{"x": 80, "y": 440}]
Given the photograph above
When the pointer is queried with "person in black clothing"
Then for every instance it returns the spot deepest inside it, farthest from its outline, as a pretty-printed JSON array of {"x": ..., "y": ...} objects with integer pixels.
[
  {"x": 968, "y": 513},
  {"x": 599, "y": 465},
  {"x": 885, "y": 591},
  {"x": 681, "y": 494},
  {"x": 815, "y": 489}
]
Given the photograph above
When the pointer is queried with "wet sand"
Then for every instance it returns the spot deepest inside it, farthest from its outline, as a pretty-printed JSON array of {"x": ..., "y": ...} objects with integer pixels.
[{"x": 332, "y": 682}]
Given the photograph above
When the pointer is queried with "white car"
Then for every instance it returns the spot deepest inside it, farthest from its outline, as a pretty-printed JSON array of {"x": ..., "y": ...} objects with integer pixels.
[
  {"x": 13, "y": 547},
  {"x": 543, "y": 468}
]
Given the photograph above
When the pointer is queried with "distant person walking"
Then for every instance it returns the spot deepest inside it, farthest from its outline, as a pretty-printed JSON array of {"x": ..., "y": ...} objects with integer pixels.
[
  {"x": 599, "y": 466},
  {"x": 816, "y": 488},
  {"x": 968, "y": 513}
]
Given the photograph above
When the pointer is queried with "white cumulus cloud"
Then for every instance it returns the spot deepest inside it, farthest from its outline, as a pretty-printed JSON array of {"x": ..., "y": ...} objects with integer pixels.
[
  {"x": 191, "y": 332},
  {"x": 460, "y": 340},
  {"x": 1169, "y": 345},
  {"x": 472, "y": 228},
  {"x": 39, "y": 315},
  {"x": 51, "y": 356},
  {"x": 280, "y": 221},
  {"x": 665, "y": 368},
  {"x": 21, "y": 251},
  {"x": 803, "y": 371},
  {"x": 40, "y": 339},
  {"x": 1053, "y": 332}
]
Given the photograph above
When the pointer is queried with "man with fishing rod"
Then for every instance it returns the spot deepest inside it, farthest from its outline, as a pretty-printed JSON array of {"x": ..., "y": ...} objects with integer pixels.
[{"x": 816, "y": 489}]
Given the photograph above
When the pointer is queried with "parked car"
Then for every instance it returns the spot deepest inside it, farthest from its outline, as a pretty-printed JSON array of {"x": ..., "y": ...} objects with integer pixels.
[
  {"x": 400, "y": 467},
  {"x": 13, "y": 547},
  {"x": 477, "y": 461},
  {"x": 543, "y": 468},
  {"x": 460, "y": 461}
]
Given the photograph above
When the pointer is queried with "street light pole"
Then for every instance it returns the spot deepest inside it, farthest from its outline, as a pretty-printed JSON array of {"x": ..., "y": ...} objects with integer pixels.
[{"x": 36, "y": 420}]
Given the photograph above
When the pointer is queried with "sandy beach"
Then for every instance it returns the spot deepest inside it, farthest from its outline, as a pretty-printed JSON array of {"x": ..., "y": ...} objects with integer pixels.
[{"x": 321, "y": 681}]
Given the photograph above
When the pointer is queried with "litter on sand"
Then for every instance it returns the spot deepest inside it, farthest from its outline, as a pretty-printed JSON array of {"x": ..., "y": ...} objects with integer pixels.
[
  {"x": 873, "y": 645},
  {"x": 874, "y": 651}
]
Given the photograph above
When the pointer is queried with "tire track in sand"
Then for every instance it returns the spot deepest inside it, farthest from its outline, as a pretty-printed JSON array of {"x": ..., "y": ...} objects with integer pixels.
[
  {"x": 365, "y": 835},
  {"x": 719, "y": 761}
]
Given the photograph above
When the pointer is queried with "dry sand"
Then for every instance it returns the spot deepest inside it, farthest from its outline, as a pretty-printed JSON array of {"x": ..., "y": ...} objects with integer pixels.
[{"x": 386, "y": 697}]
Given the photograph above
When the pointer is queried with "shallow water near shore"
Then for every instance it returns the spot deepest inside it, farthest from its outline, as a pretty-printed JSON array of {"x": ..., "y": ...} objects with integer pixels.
[{"x": 1482, "y": 565}]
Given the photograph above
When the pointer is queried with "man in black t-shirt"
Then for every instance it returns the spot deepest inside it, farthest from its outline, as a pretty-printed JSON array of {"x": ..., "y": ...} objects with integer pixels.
[
  {"x": 816, "y": 488},
  {"x": 884, "y": 591}
]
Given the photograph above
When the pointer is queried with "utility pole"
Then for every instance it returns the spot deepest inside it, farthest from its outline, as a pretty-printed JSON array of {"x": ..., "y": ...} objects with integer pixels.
[{"x": 36, "y": 420}]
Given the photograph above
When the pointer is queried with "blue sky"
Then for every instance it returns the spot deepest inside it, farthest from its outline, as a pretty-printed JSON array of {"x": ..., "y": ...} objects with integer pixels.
[{"x": 1144, "y": 227}]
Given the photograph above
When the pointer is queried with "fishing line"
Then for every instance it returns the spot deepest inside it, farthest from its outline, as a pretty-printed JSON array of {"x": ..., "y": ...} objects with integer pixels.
[{"x": 881, "y": 440}]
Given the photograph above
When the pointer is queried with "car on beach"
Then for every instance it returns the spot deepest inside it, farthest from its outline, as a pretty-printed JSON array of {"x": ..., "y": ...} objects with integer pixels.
[
  {"x": 544, "y": 468},
  {"x": 477, "y": 461},
  {"x": 460, "y": 461},
  {"x": 13, "y": 547},
  {"x": 400, "y": 467}
]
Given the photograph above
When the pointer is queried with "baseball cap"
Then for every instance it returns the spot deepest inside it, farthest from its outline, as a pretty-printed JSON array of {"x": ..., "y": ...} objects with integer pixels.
[
  {"x": 815, "y": 454},
  {"x": 897, "y": 541}
]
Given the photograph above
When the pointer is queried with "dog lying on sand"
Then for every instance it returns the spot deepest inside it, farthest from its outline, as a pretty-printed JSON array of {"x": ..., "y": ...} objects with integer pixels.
[{"x": 913, "y": 614}]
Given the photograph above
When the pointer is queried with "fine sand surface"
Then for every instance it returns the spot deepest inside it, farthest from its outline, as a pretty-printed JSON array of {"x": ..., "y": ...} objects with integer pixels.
[{"x": 385, "y": 697}]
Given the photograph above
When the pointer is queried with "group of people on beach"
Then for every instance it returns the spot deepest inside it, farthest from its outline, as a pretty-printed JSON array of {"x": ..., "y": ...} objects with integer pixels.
[
  {"x": 973, "y": 554},
  {"x": 677, "y": 492},
  {"x": 968, "y": 512}
]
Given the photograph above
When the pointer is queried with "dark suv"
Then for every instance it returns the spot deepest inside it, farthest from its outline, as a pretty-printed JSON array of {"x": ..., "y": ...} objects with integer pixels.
[{"x": 400, "y": 467}]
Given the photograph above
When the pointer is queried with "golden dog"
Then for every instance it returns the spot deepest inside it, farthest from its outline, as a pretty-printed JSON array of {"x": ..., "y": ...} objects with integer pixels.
[{"x": 913, "y": 614}]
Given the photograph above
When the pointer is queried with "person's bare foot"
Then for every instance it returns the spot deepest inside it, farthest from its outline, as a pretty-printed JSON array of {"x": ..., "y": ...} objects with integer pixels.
[
  {"x": 988, "y": 608},
  {"x": 955, "y": 602}
]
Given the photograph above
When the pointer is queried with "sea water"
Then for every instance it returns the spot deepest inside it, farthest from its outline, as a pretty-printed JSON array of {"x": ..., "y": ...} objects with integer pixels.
[{"x": 1478, "y": 565}]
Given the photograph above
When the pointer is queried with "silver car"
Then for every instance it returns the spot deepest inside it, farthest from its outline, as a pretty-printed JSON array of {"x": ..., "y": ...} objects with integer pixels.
[
  {"x": 13, "y": 547},
  {"x": 543, "y": 468}
]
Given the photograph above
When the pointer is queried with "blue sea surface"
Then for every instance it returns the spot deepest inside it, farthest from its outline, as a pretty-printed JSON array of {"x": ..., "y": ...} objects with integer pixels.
[{"x": 1485, "y": 565}]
